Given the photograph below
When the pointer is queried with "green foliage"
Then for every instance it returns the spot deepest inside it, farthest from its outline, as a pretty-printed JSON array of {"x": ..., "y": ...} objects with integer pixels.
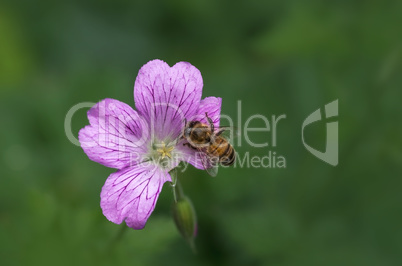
[{"x": 277, "y": 57}]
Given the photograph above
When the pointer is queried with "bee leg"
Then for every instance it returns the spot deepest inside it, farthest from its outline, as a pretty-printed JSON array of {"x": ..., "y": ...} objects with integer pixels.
[
  {"x": 188, "y": 145},
  {"x": 211, "y": 123},
  {"x": 184, "y": 128},
  {"x": 220, "y": 132}
]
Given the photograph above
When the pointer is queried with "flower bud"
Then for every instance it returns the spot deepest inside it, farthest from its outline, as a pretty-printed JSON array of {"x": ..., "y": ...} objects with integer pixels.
[{"x": 185, "y": 218}]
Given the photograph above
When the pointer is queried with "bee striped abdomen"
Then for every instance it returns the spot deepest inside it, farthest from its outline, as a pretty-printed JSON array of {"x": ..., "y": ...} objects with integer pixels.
[
  {"x": 222, "y": 149},
  {"x": 229, "y": 157}
]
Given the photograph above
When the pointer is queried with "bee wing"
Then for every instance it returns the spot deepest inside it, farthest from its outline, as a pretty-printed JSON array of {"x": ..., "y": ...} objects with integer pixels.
[
  {"x": 229, "y": 133},
  {"x": 209, "y": 163}
]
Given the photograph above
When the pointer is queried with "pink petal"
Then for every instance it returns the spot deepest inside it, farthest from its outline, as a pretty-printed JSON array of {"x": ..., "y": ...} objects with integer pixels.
[
  {"x": 190, "y": 155},
  {"x": 116, "y": 134},
  {"x": 165, "y": 95},
  {"x": 212, "y": 106},
  {"x": 130, "y": 194}
]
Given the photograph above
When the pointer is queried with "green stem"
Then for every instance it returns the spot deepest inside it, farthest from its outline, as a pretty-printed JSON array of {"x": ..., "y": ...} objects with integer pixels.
[
  {"x": 176, "y": 187},
  {"x": 192, "y": 246},
  {"x": 118, "y": 236},
  {"x": 178, "y": 191}
]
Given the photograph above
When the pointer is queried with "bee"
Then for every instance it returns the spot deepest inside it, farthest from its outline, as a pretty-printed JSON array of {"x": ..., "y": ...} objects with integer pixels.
[{"x": 212, "y": 147}]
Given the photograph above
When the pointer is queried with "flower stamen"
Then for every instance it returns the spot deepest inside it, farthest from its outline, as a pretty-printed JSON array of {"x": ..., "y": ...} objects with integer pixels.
[{"x": 165, "y": 150}]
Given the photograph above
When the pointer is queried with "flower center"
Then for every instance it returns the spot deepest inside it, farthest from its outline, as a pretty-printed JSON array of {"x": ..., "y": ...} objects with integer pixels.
[{"x": 164, "y": 151}]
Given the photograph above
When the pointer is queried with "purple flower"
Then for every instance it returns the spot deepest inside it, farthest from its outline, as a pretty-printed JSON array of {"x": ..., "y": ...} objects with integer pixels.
[{"x": 143, "y": 144}]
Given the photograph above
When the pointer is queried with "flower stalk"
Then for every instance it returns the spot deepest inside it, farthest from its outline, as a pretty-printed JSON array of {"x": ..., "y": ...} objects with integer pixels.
[{"x": 184, "y": 215}]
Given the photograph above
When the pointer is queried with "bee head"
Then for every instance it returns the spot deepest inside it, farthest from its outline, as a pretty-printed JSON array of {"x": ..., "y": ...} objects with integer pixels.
[
  {"x": 192, "y": 124},
  {"x": 187, "y": 132}
]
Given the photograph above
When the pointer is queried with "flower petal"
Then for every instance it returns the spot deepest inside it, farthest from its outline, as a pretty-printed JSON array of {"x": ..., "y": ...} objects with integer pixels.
[
  {"x": 190, "y": 155},
  {"x": 130, "y": 194},
  {"x": 212, "y": 106},
  {"x": 165, "y": 95},
  {"x": 116, "y": 135}
]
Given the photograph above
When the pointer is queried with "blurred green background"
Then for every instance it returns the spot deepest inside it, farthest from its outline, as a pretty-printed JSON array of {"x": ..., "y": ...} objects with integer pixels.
[{"x": 277, "y": 57}]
